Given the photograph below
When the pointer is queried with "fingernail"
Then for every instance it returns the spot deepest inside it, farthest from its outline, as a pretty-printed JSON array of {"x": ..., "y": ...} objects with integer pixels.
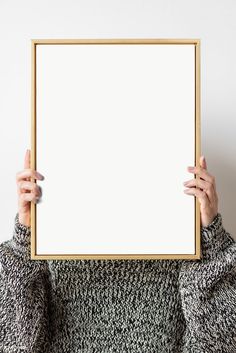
[
  {"x": 190, "y": 168},
  {"x": 40, "y": 175}
]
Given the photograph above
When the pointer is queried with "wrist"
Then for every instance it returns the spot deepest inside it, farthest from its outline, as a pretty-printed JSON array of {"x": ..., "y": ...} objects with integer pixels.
[{"x": 24, "y": 219}]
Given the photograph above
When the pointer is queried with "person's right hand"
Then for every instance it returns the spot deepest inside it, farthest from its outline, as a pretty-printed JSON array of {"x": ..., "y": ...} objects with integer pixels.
[{"x": 27, "y": 190}]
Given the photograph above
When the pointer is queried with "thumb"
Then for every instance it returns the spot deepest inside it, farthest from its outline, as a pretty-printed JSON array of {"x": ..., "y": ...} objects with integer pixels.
[
  {"x": 203, "y": 163},
  {"x": 27, "y": 159}
]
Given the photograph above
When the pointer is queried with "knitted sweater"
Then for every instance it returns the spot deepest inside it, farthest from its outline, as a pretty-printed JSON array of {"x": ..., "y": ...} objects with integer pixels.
[{"x": 109, "y": 306}]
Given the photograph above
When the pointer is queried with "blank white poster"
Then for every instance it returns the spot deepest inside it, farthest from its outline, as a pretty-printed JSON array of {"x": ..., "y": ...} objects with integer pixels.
[{"x": 115, "y": 134}]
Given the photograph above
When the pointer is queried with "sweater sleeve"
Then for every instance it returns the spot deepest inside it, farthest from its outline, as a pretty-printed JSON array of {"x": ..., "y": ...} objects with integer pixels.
[
  {"x": 208, "y": 293},
  {"x": 24, "y": 287}
]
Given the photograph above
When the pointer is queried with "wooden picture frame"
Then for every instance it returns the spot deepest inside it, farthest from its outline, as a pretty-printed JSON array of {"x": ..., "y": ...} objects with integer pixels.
[{"x": 165, "y": 73}]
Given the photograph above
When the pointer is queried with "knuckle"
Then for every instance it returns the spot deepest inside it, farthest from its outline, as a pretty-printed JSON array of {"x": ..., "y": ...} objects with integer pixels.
[
  {"x": 211, "y": 187},
  {"x": 34, "y": 187},
  {"x": 20, "y": 184},
  {"x": 30, "y": 171},
  {"x": 212, "y": 179},
  {"x": 18, "y": 175},
  {"x": 202, "y": 193}
]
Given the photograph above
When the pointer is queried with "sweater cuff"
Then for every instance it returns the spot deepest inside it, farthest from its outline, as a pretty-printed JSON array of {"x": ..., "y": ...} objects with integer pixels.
[
  {"x": 210, "y": 231},
  {"x": 214, "y": 237},
  {"x": 22, "y": 233}
]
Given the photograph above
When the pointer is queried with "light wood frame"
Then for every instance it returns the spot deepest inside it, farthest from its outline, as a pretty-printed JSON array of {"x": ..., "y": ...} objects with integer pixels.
[{"x": 37, "y": 42}]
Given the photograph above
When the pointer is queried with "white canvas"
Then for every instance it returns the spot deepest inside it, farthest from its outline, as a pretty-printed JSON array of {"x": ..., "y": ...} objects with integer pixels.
[{"x": 115, "y": 134}]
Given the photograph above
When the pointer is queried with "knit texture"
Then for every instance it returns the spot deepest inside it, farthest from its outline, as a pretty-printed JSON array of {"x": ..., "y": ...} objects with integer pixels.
[{"x": 109, "y": 306}]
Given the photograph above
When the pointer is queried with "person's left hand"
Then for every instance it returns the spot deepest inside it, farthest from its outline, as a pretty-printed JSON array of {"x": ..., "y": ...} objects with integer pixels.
[{"x": 205, "y": 190}]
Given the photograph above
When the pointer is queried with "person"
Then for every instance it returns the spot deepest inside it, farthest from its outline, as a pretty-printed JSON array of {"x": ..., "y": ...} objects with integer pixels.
[{"x": 103, "y": 306}]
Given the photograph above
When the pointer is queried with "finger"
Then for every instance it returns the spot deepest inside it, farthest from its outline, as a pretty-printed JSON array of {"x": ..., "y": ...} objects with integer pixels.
[
  {"x": 28, "y": 173},
  {"x": 203, "y": 186},
  {"x": 200, "y": 183},
  {"x": 28, "y": 197},
  {"x": 203, "y": 163},
  {"x": 201, "y": 195},
  {"x": 27, "y": 161},
  {"x": 29, "y": 186},
  {"x": 203, "y": 173}
]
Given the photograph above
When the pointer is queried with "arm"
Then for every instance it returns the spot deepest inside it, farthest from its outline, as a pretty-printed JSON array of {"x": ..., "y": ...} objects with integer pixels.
[
  {"x": 208, "y": 292},
  {"x": 24, "y": 288}
]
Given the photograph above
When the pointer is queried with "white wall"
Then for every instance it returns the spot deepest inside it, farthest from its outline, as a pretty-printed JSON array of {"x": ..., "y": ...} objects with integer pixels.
[{"x": 213, "y": 21}]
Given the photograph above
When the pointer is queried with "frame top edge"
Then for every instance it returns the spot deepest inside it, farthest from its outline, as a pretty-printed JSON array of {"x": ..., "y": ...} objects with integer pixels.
[{"x": 117, "y": 41}]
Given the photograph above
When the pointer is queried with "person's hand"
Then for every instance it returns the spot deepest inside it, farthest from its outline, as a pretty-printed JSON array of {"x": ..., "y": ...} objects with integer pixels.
[
  {"x": 27, "y": 190},
  {"x": 205, "y": 190}
]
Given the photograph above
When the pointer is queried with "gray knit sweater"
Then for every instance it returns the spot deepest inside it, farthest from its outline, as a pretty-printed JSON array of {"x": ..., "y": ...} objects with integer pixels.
[{"x": 109, "y": 306}]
